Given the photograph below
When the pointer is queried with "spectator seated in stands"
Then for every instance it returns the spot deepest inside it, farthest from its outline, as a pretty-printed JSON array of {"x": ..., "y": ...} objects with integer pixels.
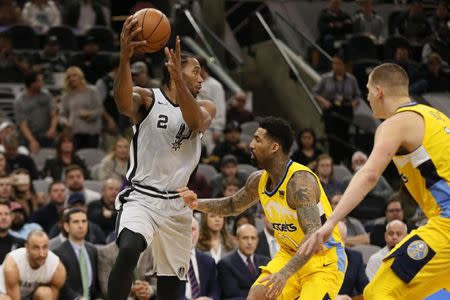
[
  {"x": 214, "y": 240},
  {"x": 239, "y": 270},
  {"x": 228, "y": 170},
  {"x": 74, "y": 179},
  {"x": 366, "y": 20},
  {"x": 83, "y": 15},
  {"x": 33, "y": 272},
  {"x": 141, "y": 77},
  {"x": 24, "y": 193},
  {"x": 82, "y": 108},
  {"x": 237, "y": 111},
  {"x": 212, "y": 90},
  {"x": 4, "y": 171},
  {"x": 94, "y": 235},
  {"x": 267, "y": 244},
  {"x": 307, "y": 151},
  {"x": 232, "y": 144},
  {"x": 8, "y": 242},
  {"x": 334, "y": 24},
  {"x": 102, "y": 211},
  {"x": 141, "y": 288},
  {"x": 413, "y": 23},
  {"x": 114, "y": 164},
  {"x": 396, "y": 230},
  {"x": 440, "y": 44},
  {"x": 337, "y": 93},
  {"x": 373, "y": 204},
  {"x": 12, "y": 66},
  {"x": 36, "y": 114},
  {"x": 10, "y": 13},
  {"x": 354, "y": 229},
  {"x": 48, "y": 215},
  {"x": 93, "y": 64},
  {"x": 50, "y": 60},
  {"x": 65, "y": 156},
  {"x": 324, "y": 171},
  {"x": 16, "y": 160},
  {"x": 6, "y": 188},
  {"x": 355, "y": 279},
  {"x": 401, "y": 58},
  {"x": 246, "y": 217},
  {"x": 202, "y": 280},
  {"x": 79, "y": 258},
  {"x": 20, "y": 228},
  {"x": 441, "y": 18},
  {"x": 433, "y": 79},
  {"x": 199, "y": 184},
  {"x": 7, "y": 128},
  {"x": 394, "y": 211},
  {"x": 41, "y": 15}
]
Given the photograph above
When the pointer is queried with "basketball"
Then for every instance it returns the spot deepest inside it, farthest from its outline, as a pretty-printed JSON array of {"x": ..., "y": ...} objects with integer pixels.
[{"x": 155, "y": 29}]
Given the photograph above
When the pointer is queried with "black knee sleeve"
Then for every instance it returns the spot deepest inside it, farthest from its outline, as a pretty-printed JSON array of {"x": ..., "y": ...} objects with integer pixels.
[
  {"x": 131, "y": 245},
  {"x": 168, "y": 287}
]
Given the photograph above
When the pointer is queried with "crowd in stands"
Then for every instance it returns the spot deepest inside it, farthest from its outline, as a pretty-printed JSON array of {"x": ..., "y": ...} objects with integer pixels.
[{"x": 66, "y": 106}]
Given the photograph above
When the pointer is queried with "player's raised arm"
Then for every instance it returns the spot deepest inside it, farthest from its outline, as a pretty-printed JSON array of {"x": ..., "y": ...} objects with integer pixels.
[
  {"x": 197, "y": 115},
  {"x": 303, "y": 194},
  {"x": 123, "y": 85},
  {"x": 226, "y": 206}
]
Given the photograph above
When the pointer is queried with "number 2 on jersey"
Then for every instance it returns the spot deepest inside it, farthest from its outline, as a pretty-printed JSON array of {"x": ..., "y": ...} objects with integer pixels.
[{"x": 162, "y": 121}]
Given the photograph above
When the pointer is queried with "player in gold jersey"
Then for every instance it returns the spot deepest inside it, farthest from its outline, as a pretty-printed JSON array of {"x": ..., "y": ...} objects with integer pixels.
[
  {"x": 296, "y": 205},
  {"x": 417, "y": 138}
]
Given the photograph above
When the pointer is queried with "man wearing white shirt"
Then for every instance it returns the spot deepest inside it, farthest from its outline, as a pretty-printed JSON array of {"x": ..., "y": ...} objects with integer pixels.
[
  {"x": 267, "y": 245},
  {"x": 202, "y": 281},
  {"x": 395, "y": 231}
]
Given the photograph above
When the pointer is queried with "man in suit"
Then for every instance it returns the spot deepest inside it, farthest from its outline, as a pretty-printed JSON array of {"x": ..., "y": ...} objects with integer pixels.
[
  {"x": 141, "y": 288},
  {"x": 202, "y": 281},
  {"x": 355, "y": 279},
  {"x": 238, "y": 271},
  {"x": 267, "y": 245},
  {"x": 79, "y": 258}
]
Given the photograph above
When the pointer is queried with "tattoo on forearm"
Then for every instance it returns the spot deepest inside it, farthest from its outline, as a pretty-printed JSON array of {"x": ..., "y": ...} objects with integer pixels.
[
  {"x": 303, "y": 194},
  {"x": 233, "y": 205}
]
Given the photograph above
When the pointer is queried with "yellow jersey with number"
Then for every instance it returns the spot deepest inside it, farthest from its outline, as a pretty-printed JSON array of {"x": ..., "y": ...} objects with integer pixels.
[
  {"x": 284, "y": 219},
  {"x": 426, "y": 171}
]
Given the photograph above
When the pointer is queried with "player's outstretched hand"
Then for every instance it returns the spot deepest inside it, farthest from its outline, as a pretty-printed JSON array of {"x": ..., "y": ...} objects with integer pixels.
[
  {"x": 189, "y": 197},
  {"x": 315, "y": 242},
  {"x": 173, "y": 63},
  {"x": 275, "y": 284},
  {"x": 127, "y": 36}
]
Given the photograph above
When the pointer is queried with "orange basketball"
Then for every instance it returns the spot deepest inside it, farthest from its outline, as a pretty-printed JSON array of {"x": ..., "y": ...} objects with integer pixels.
[{"x": 155, "y": 29}]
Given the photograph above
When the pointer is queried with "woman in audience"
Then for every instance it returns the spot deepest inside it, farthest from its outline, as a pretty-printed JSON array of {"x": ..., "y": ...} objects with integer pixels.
[
  {"x": 114, "y": 165},
  {"x": 307, "y": 152},
  {"x": 83, "y": 109},
  {"x": 23, "y": 192},
  {"x": 41, "y": 15},
  {"x": 324, "y": 171},
  {"x": 214, "y": 238},
  {"x": 65, "y": 156}
]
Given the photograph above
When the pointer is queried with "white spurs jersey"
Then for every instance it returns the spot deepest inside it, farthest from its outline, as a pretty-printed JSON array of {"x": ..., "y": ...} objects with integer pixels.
[{"x": 164, "y": 151}]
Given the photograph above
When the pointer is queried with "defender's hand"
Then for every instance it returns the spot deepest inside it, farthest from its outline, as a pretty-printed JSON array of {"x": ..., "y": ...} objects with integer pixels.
[
  {"x": 173, "y": 63},
  {"x": 189, "y": 197}
]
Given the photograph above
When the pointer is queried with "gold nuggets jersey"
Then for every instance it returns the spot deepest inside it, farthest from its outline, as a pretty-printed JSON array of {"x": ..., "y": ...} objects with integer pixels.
[
  {"x": 284, "y": 219},
  {"x": 426, "y": 171}
]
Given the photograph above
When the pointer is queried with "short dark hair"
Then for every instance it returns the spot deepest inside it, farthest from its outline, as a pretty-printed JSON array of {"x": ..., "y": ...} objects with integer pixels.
[
  {"x": 73, "y": 210},
  {"x": 55, "y": 182},
  {"x": 165, "y": 72},
  {"x": 6, "y": 203},
  {"x": 279, "y": 130},
  {"x": 203, "y": 63},
  {"x": 31, "y": 77},
  {"x": 73, "y": 168}
]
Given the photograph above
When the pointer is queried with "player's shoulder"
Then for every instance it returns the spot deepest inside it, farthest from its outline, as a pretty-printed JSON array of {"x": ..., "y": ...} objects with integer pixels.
[
  {"x": 254, "y": 178},
  {"x": 404, "y": 120}
]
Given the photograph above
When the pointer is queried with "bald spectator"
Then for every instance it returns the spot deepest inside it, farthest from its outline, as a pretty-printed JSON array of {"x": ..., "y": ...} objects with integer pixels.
[
  {"x": 102, "y": 211},
  {"x": 395, "y": 231},
  {"x": 34, "y": 272}
]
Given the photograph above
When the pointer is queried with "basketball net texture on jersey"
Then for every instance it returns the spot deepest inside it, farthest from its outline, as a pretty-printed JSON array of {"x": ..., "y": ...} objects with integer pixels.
[{"x": 164, "y": 151}]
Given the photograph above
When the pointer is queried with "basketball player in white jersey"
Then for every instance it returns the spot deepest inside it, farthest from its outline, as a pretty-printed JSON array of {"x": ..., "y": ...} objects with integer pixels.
[
  {"x": 166, "y": 147},
  {"x": 33, "y": 272}
]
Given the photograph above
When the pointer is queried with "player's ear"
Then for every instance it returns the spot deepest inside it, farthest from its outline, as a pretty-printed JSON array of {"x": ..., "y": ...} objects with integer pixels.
[
  {"x": 275, "y": 147},
  {"x": 379, "y": 92}
]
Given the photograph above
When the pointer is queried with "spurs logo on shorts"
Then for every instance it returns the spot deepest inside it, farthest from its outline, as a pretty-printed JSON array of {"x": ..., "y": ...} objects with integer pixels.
[{"x": 417, "y": 250}]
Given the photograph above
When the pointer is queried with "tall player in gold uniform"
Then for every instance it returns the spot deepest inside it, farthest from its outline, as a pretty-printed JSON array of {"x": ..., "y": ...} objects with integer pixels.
[
  {"x": 295, "y": 203},
  {"x": 417, "y": 138}
]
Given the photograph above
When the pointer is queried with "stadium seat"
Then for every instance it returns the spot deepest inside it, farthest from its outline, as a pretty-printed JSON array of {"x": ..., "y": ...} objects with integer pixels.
[
  {"x": 95, "y": 169},
  {"x": 66, "y": 37},
  {"x": 91, "y": 156},
  {"x": 249, "y": 128},
  {"x": 95, "y": 185},
  {"x": 40, "y": 157}
]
